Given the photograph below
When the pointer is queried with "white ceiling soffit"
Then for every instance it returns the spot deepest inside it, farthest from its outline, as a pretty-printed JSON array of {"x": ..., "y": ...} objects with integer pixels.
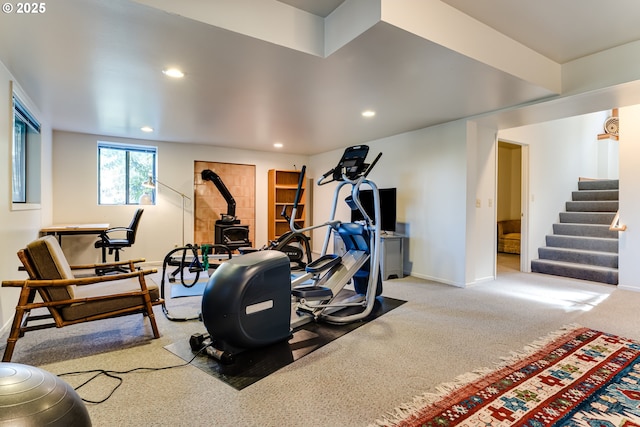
[
  {"x": 561, "y": 30},
  {"x": 284, "y": 25},
  {"x": 271, "y": 20},
  {"x": 318, "y": 7}
]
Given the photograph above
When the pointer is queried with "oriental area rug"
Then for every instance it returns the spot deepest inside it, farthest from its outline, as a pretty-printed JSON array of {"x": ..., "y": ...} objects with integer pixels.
[{"x": 577, "y": 377}]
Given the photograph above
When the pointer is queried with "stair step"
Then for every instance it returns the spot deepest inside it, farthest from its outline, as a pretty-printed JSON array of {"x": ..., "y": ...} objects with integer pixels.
[
  {"x": 589, "y": 230},
  {"x": 592, "y": 206},
  {"x": 576, "y": 271},
  {"x": 577, "y": 256},
  {"x": 582, "y": 246},
  {"x": 599, "y": 184},
  {"x": 594, "y": 195},
  {"x": 580, "y": 242},
  {"x": 587, "y": 217}
]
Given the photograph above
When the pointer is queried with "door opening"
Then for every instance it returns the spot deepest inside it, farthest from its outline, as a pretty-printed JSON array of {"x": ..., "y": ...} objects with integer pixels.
[{"x": 510, "y": 212}]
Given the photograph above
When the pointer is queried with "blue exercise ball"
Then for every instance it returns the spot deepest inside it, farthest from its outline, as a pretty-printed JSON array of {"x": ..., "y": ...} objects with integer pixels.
[{"x": 30, "y": 396}]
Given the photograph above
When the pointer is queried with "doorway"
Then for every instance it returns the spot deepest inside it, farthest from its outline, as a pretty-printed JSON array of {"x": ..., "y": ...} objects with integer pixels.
[{"x": 509, "y": 207}]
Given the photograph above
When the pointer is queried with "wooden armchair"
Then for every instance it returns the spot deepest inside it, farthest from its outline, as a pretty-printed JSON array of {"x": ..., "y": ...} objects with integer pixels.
[{"x": 71, "y": 299}]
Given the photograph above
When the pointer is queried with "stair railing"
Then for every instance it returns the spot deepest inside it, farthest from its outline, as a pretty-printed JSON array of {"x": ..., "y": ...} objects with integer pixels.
[{"x": 615, "y": 223}]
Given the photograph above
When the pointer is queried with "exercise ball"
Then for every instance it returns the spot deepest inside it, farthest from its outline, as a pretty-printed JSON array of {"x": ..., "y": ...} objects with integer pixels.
[{"x": 30, "y": 396}]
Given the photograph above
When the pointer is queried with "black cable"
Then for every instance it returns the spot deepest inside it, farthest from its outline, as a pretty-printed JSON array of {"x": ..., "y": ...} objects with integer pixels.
[
  {"x": 194, "y": 262},
  {"x": 115, "y": 375}
]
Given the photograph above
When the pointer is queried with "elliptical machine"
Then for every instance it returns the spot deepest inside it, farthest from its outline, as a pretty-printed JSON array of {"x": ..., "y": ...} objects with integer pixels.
[{"x": 251, "y": 301}]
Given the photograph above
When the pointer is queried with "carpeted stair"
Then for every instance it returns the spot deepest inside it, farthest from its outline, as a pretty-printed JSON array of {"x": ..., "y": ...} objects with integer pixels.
[{"x": 582, "y": 246}]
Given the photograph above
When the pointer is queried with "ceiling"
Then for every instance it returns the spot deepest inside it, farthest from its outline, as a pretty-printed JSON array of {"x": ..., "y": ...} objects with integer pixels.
[
  {"x": 317, "y": 7},
  {"x": 94, "y": 66}
]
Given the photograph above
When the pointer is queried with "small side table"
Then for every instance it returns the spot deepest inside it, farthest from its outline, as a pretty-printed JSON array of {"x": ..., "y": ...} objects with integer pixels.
[{"x": 392, "y": 256}]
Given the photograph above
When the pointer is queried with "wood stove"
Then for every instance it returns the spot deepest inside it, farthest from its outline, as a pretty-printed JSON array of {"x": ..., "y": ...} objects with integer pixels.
[{"x": 233, "y": 235}]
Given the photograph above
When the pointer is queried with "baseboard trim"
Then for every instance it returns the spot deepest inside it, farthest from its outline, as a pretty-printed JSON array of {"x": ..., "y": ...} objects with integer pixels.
[{"x": 438, "y": 280}]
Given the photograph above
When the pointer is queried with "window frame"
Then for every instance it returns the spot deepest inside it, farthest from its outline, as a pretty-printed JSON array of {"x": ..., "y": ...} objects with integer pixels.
[
  {"x": 19, "y": 161},
  {"x": 128, "y": 149},
  {"x": 30, "y": 165}
]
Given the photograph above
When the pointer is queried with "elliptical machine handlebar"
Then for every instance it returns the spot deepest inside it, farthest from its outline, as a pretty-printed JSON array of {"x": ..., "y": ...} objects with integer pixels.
[
  {"x": 354, "y": 179},
  {"x": 296, "y": 201},
  {"x": 369, "y": 167},
  {"x": 350, "y": 169},
  {"x": 322, "y": 181},
  {"x": 292, "y": 220},
  {"x": 299, "y": 189}
]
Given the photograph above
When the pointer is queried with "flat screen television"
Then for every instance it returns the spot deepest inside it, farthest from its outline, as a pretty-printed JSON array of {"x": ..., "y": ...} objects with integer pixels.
[{"x": 387, "y": 208}]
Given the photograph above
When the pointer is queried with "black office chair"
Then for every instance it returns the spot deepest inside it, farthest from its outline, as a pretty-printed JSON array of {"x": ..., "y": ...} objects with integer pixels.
[{"x": 113, "y": 240}]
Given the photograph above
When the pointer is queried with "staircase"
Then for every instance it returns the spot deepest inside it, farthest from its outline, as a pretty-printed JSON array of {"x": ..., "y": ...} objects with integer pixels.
[{"x": 582, "y": 246}]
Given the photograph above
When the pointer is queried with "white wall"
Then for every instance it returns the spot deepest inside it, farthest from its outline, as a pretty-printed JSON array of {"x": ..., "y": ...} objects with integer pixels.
[
  {"x": 75, "y": 192},
  {"x": 427, "y": 167},
  {"x": 560, "y": 152},
  {"x": 439, "y": 172},
  {"x": 607, "y": 68},
  {"x": 608, "y": 158},
  {"x": 629, "y": 208},
  {"x": 481, "y": 243},
  {"x": 19, "y": 227}
]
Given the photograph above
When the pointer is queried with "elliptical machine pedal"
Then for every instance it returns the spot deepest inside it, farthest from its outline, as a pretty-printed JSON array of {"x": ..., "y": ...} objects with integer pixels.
[{"x": 312, "y": 293}]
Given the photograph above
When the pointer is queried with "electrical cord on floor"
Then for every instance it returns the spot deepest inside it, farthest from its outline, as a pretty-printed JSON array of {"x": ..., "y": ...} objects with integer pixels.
[{"x": 116, "y": 375}]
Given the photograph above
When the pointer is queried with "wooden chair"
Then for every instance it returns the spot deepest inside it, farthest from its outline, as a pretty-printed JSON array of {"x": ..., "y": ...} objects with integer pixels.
[{"x": 70, "y": 299}]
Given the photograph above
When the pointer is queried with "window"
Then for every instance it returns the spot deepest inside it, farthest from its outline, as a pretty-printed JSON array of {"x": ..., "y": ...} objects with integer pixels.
[
  {"x": 25, "y": 157},
  {"x": 122, "y": 169}
]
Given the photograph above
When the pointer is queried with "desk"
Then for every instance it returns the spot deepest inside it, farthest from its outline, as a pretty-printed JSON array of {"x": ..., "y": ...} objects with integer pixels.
[{"x": 68, "y": 229}]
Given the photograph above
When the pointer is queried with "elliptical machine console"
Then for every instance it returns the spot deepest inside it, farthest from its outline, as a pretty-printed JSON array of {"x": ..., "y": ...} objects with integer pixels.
[
  {"x": 351, "y": 165},
  {"x": 251, "y": 301}
]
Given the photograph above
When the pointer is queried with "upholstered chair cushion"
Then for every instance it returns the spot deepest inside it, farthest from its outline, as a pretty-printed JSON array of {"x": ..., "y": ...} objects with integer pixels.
[{"x": 50, "y": 263}]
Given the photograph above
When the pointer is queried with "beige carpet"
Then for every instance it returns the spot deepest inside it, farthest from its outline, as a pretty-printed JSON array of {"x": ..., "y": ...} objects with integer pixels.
[{"x": 441, "y": 332}]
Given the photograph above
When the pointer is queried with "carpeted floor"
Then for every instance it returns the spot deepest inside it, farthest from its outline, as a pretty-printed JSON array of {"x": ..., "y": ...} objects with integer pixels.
[{"x": 440, "y": 333}]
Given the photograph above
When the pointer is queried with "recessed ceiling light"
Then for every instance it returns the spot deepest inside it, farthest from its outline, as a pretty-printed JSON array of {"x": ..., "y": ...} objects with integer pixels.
[
  {"x": 278, "y": 145},
  {"x": 173, "y": 72},
  {"x": 146, "y": 129},
  {"x": 368, "y": 113}
]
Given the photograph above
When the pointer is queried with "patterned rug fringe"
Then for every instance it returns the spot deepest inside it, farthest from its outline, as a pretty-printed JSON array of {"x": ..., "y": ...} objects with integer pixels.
[{"x": 406, "y": 410}]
